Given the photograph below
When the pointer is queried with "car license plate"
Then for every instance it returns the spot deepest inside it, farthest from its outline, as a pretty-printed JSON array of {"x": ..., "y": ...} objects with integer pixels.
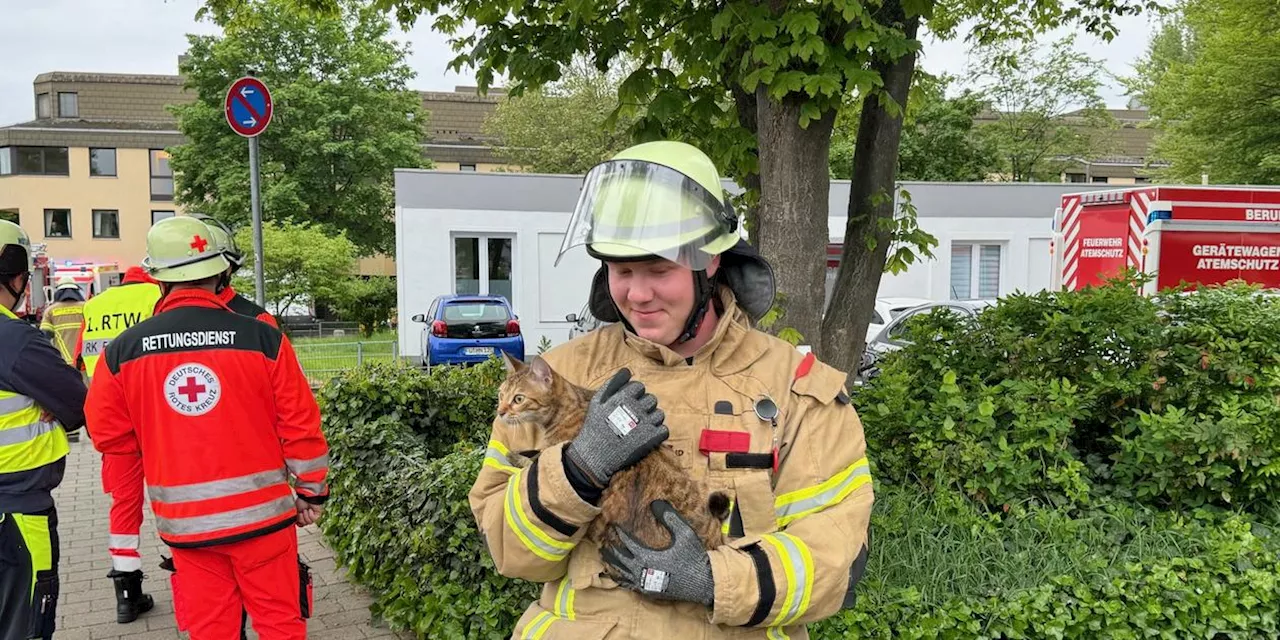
[{"x": 477, "y": 351}]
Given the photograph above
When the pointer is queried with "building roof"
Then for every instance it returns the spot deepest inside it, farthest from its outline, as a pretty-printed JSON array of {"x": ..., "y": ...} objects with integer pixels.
[{"x": 119, "y": 78}]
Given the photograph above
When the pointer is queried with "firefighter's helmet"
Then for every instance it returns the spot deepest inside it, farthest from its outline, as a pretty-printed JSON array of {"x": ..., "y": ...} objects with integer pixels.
[
  {"x": 66, "y": 282},
  {"x": 657, "y": 199},
  {"x": 181, "y": 249},
  {"x": 15, "y": 250},
  {"x": 223, "y": 239}
]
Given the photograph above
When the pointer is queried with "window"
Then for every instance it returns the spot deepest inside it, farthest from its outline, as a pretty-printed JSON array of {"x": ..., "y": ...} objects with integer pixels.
[
  {"x": 10, "y": 215},
  {"x": 68, "y": 105},
  {"x": 102, "y": 162},
  {"x": 1101, "y": 179},
  {"x": 466, "y": 167},
  {"x": 157, "y": 216},
  {"x": 161, "y": 176},
  {"x": 35, "y": 161},
  {"x": 975, "y": 271},
  {"x": 106, "y": 223},
  {"x": 57, "y": 223},
  {"x": 42, "y": 106},
  {"x": 482, "y": 265},
  {"x": 1075, "y": 177}
]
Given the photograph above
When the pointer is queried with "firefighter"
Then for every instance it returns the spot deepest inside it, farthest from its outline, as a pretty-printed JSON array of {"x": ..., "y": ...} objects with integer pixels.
[
  {"x": 217, "y": 406},
  {"x": 61, "y": 320},
  {"x": 746, "y": 413},
  {"x": 41, "y": 399},
  {"x": 225, "y": 241}
]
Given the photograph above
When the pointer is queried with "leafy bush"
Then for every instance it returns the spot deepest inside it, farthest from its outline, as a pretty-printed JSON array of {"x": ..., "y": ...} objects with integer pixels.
[
  {"x": 400, "y": 522},
  {"x": 447, "y": 406},
  {"x": 1117, "y": 572},
  {"x": 1058, "y": 397},
  {"x": 1211, "y": 433}
]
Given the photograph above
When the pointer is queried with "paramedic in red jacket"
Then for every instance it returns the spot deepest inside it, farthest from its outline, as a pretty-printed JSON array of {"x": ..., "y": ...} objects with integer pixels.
[
  {"x": 225, "y": 421},
  {"x": 225, "y": 241}
]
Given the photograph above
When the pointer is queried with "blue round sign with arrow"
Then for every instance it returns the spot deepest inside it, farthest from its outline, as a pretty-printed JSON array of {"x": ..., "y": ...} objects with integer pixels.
[{"x": 248, "y": 106}]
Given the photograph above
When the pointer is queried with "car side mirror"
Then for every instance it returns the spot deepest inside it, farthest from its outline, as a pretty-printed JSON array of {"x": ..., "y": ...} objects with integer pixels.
[
  {"x": 573, "y": 317},
  {"x": 418, "y": 317}
]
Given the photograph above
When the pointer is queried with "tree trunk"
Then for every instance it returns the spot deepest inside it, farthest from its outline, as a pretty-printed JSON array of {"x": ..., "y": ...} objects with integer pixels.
[
  {"x": 792, "y": 217},
  {"x": 871, "y": 200},
  {"x": 745, "y": 104}
]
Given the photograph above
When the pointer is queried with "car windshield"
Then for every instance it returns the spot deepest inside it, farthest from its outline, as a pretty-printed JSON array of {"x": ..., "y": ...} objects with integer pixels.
[{"x": 473, "y": 312}]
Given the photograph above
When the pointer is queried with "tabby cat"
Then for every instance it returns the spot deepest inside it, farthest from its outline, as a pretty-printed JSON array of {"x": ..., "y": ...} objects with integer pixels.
[{"x": 536, "y": 395}]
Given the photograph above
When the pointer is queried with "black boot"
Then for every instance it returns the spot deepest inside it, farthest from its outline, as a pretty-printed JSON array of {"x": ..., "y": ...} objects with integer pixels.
[{"x": 130, "y": 600}]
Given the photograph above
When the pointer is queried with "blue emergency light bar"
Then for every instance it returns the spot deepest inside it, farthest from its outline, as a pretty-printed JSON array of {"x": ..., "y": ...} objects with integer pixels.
[{"x": 1157, "y": 214}]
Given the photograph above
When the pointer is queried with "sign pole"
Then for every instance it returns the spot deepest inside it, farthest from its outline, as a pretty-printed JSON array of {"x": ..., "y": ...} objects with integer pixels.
[
  {"x": 248, "y": 109},
  {"x": 259, "y": 280}
]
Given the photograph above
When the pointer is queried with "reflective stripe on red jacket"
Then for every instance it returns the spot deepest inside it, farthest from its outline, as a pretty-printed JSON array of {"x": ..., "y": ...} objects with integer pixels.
[
  {"x": 222, "y": 415},
  {"x": 246, "y": 307}
]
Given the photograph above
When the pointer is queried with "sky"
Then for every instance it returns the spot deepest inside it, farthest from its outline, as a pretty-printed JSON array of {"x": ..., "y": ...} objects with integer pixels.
[{"x": 147, "y": 36}]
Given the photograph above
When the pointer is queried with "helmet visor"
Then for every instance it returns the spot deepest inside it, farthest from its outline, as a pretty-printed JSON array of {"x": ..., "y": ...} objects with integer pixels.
[{"x": 634, "y": 210}]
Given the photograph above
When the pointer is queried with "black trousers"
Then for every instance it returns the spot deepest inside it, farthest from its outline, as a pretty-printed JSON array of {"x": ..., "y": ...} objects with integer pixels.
[{"x": 28, "y": 574}]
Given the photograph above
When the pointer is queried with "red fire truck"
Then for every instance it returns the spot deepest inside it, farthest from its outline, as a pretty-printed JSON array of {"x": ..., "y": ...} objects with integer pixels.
[{"x": 1178, "y": 234}]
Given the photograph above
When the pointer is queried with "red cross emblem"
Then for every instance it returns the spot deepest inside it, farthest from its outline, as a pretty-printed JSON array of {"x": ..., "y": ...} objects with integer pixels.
[
  {"x": 191, "y": 389},
  {"x": 198, "y": 244}
]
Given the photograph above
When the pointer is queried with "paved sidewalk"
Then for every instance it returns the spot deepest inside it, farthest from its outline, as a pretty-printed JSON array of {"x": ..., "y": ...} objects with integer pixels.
[{"x": 87, "y": 609}]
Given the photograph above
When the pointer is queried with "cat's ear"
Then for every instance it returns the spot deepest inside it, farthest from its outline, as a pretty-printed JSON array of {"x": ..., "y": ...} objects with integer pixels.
[
  {"x": 513, "y": 365},
  {"x": 541, "y": 370}
]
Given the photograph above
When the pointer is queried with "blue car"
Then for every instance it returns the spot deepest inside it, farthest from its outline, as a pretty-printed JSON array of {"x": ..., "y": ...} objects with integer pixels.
[{"x": 469, "y": 329}]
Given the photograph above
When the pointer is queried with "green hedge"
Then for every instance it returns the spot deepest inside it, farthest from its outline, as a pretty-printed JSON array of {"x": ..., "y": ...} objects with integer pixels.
[
  {"x": 446, "y": 407},
  {"x": 400, "y": 521},
  {"x": 1059, "y": 398}
]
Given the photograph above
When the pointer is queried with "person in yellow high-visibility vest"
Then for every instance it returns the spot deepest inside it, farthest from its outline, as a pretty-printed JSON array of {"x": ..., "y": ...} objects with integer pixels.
[
  {"x": 41, "y": 398},
  {"x": 61, "y": 319},
  {"x": 106, "y": 316}
]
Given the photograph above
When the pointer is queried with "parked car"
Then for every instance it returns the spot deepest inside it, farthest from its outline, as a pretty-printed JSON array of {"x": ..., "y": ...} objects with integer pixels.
[
  {"x": 469, "y": 329},
  {"x": 888, "y": 309},
  {"x": 891, "y": 336},
  {"x": 583, "y": 322}
]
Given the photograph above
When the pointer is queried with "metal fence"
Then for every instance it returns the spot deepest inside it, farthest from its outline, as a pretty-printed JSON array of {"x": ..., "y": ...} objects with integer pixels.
[
  {"x": 321, "y": 329},
  {"x": 321, "y": 361}
]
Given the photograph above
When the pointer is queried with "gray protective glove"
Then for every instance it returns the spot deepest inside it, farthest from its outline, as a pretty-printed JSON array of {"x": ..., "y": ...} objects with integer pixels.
[
  {"x": 682, "y": 571},
  {"x": 623, "y": 424}
]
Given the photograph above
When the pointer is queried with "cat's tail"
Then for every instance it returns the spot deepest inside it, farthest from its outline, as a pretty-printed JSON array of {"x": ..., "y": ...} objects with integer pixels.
[{"x": 718, "y": 505}]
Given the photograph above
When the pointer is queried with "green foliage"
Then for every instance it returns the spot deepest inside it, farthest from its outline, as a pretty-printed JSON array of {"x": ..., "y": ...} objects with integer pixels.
[
  {"x": 939, "y": 139},
  {"x": 399, "y": 521},
  {"x": 447, "y": 406},
  {"x": 405, "y": 447},
  {"x": 303, "y": 263},
  {"x": 1058, "y": 397},
  {"x": 563, "y": 127},
  {"x": 368, "y": 301},
  {"x": 1048, "y": 113},
  {"x": 1117, "y": 573},
  {"x": 1211, "y": 434},
  {"x": 1210, "y": 78},
  {"x": 344, "y": 119}
]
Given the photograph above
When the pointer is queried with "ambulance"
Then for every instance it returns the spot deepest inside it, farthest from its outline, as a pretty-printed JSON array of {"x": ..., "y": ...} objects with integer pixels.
[{"x": 1190, "y": 235}]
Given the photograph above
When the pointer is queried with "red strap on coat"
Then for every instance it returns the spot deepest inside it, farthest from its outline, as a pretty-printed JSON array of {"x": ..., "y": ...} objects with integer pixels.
[
  {"x": 805, "y": 365},
  {"x": 713, "y": 441}
]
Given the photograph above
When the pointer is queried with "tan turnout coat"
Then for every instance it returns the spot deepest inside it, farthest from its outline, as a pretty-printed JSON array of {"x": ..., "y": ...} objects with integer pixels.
[{"x": 794, "y": 534}]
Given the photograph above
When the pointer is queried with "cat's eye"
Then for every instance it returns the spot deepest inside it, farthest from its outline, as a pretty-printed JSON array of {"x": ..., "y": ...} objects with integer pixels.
[{"x": 518, "y": 399}]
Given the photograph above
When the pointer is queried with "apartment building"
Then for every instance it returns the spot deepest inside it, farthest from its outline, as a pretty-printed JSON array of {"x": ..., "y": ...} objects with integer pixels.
[{"x": 89, "y": 175}]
